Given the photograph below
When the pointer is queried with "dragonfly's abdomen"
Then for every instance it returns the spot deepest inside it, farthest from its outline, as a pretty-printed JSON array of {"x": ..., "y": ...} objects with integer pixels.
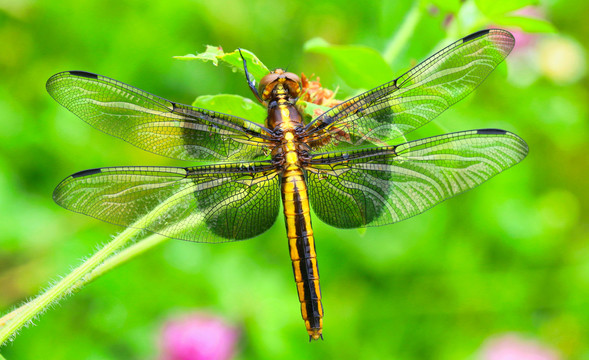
[
  {"x": 302, "y": 248},
  {"x": 283, "y": 115}
]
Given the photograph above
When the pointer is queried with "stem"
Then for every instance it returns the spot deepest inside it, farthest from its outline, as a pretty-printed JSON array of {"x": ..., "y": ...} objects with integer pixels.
[
  {"x": 109, "y": 264},
  {"x": 404, "y": 33},
  {"x": 82, "y": 274},
  {"x": 120, "y": 258},
  {"x": 62, "y": 288}
]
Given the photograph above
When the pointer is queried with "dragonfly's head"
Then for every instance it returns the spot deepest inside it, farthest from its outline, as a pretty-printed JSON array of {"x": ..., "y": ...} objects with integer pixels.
[{"x": 288, "y": 81}]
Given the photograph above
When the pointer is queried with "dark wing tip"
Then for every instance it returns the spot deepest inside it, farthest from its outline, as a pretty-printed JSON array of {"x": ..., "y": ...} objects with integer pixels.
[
  {"x": 78, "y": 73},
  {"x": 491, "y": 132},
  {"x": 503, "y": 39},
  {"x": 481, "y": 33},
  {"x": 86, "y": 173},
  {"x": 475, "y": 35},
  {"x": 522, "y": 143},
  {"x": 85, "y": 74},
  {"x": 64, "y": 74}
]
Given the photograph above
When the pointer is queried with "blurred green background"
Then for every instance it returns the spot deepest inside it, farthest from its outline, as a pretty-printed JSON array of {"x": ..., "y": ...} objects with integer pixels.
[{"x": 511, "y": 256}]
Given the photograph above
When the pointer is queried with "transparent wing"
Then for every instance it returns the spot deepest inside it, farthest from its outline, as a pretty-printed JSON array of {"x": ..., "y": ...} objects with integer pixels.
[
  {"x": 381, "y": 186},
  {"x": 414, "y": 99},
  {"x": 203, "y": 204},
  {"x": 155, "y": 124}
]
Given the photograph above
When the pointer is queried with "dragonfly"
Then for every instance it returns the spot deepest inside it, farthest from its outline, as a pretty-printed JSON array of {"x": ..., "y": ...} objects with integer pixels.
[{"x": 340, "y": 164}]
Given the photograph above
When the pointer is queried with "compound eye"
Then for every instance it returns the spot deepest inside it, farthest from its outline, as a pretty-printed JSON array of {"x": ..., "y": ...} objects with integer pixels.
[
  {"x": 293, "y": 77},
  {"x": 293, "y": 82},
  {"x": 265, "y": 82}
]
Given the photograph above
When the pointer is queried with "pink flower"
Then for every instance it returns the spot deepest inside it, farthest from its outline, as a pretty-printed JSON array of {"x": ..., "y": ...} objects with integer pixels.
[
  {"x": 516, "y": 347},
  {"x": 198, "y": 337}
]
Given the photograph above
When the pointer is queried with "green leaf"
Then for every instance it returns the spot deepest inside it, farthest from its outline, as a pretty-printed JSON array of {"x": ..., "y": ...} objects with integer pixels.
[
  {"x": 215, "y": 54},
  {"x": 527, "y": 24},
  {"x": 494, "y": 8},
  {"x": 210, "y": 54},
  {"x": 359, "y": 66},
  {"x": 233, "y": 105}
]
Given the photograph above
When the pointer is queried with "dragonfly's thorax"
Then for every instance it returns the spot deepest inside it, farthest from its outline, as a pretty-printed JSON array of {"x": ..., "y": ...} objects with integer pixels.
[
  {"x": 286, "y": 122},
  {"x": 290, "y": 152},
  {"x": 283, "y": 115}
]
